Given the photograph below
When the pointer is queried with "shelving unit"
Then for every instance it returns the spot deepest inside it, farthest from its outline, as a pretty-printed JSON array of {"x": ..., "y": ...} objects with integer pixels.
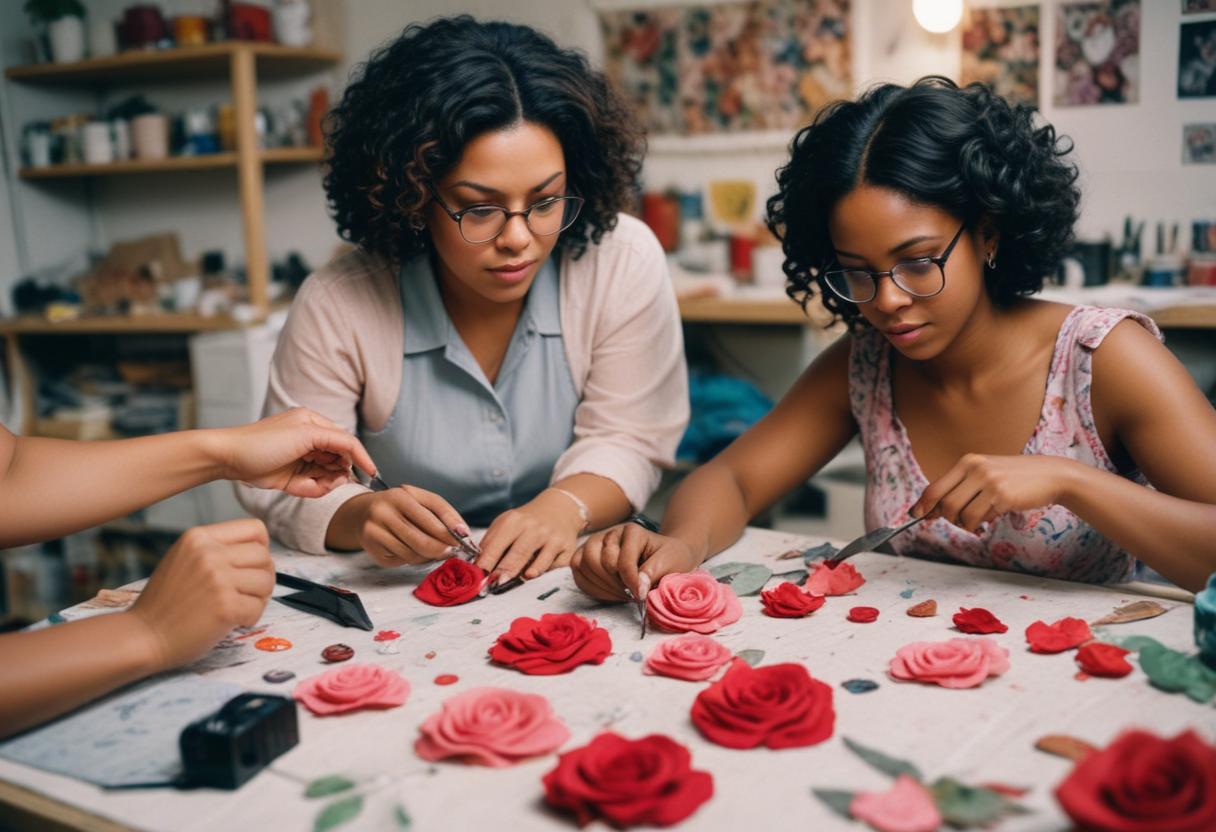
[{"x": 270, "y": 156}]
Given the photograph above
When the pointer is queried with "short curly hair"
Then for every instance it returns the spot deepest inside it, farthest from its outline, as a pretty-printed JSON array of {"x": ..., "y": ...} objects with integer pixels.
[
  {"x": 405, "y": 119},
  {"x": 965, "y": 150}
]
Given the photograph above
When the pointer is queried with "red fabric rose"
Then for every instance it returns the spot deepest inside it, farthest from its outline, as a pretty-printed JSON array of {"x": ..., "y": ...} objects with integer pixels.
[
  {"x": 778, "y": 705},
  {"x": 454, "y": 582},
  {"x": 1063, "y": 635},
  {"x": 840, "y": 579},
  {"x": 788, "y": 600},
  {"x": 863, "y": 615},
  {"x": 557, "y": 643},
  {"x": 978, "y": 620},
  {"x": 1098, "y": 659},
  {"x": 628, "y": 782},
  {"x": 1144, "y": 783}
]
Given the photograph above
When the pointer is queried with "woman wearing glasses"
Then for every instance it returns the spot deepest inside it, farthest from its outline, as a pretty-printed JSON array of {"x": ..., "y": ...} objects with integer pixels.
[
  {"x": 505, "y": 343},
  {"x": 1031, "y": 436}
]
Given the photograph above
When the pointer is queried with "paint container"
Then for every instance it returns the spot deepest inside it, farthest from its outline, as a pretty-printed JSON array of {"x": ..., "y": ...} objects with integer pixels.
[
  {"x": 120, "y": 135},
  {"x": 103, "y": 41},
  {"x": 97, "y": 143},
  {"x": 1201, "y": 271},
  {"x": 150, "y": 136},
  {"x": 190, "y": 30},
  {"x": 661, "y": 212},
  {"x": 741, "y": 247},
  {"x": 1164, "y": 270},
  {"x": 1205, "y": 623}
]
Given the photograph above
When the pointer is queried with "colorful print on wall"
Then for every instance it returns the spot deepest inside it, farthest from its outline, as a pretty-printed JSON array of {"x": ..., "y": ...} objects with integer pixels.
[
  {"x": 1197, "y": 60},
  {"x": 1198, "y": 6},
  {"x": 1001, "y": 49},
  {"x": 1097, "y": 53},
  {"x": 723, "y": 68},
  {"x": 1199, "y": 144}
]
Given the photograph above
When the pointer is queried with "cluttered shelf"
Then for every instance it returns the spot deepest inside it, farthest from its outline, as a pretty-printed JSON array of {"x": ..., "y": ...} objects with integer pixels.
[
  {"x": 273, "y": 155},
  {"x": 99, "y": 324},
  {"x": 210, "y": 60}
]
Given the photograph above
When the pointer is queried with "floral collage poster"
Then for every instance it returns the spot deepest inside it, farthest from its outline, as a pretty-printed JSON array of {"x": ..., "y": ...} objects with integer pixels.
[
  {"x": 1097, "y": 53},
  {"x": 1001, "y": 49},
  {"x": 723, "y": 68}
]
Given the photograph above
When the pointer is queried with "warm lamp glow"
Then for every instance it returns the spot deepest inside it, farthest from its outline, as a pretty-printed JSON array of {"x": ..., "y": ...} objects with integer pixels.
[{"x": 938, "y": 16}]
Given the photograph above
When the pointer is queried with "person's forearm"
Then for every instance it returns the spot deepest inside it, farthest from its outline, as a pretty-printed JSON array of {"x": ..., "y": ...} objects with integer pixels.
[
  {"x": 605, "y": 501},
  {"x": 1172, "y": 535},
  {"x": 345, "y": 532},
  {"x": 708, "y": 512},
  {"x": 54, "y": 487},
  {"x": 51, "y": 671}
]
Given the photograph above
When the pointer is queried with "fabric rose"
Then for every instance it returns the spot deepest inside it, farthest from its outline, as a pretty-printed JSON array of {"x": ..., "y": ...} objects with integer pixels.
[
  {"x": 491, "y": 727},
  {"x": 648, "y": 781},
  {"x": 1063, "y": 635},
  {"x": 693, "y": 602},
  {"x": 957, "y": 663},
  {"x": 906, "y": 807},
  {"x": 454, "y": 582},
  {"x": 1098, "y": 659},
  {"x": 825, "y": 580},
  {"x": 788, "y": 600},
  {"x": 557, "y": 643},
  {"x": 978, "y": 620},
  {"x": 1144, "y": 783},
  {"x": 778, "y": 705},
  {"x": 692, "y": 657},
  {"x": 351, "y": 688}
]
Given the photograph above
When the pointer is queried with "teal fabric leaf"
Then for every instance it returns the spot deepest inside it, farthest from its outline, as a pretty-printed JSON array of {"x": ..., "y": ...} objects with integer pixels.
[
  {"x": 338, "y": 813},
  {"x": 744, "y": 578},
  {"x": 891, "y": 766},
  {"x": 328, "y": 785},
  {"x": 964, "y": 806},
  {"x": 836, "y": 800},
  {"x": 752, "y": 657}
]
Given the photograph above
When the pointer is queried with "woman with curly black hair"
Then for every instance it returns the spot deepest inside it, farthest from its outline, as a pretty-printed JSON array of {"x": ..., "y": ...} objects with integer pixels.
[
  {"x": 924, "y": 217},
  {"x": 505, "y": 342}
]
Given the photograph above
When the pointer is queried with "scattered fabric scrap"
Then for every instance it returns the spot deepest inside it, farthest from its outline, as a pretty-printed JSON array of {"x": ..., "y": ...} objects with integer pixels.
[
  {"x": 906, "y": 807},
  {"x": 863, "y": 615},
  {"x": 454, "y": 582},
  {"x": 788, "y": 600},
  {"x": 278, "y": 677},
  {"x": 859, "y": 685},
  {"x": 691, "y": 657},
  {"x": 491, "y": 727},
  {"x": 826, "y": 580},
  {"x": 352, "y": 688},
  {"x": 1062, "y": 745},
  {"x": 636, "y": 656},
  {"x": 1135, "y": 611},
  {"x": 547, "y": 594},
  {"x": 556, "y": 643},
  {"x": 925, "y": 609},
  {"x": 386, "y": 635},
  {"x": 445, "y": 679},
  {"x": 337, "y": 653},
  {"x": 956, "y": 663},
  {"x": 978, "y": 620},
  {"x": 778, "y": 706},
  {"x": 1098, "y": 659},
  {"x": 1064, "y": 634},
  {"x": 693, "y": 602},
  {"x": 272, "y": 645}
]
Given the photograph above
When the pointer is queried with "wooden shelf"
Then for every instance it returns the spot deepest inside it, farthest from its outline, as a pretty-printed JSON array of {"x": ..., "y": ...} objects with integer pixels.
[
  {"x": 1199, "y": 316},
  {"x": 271, "y": 156},
  {"x": 194, "y": 62},
  {"x": 117, "y": 324},
  {"x": 766, "y": 311}
]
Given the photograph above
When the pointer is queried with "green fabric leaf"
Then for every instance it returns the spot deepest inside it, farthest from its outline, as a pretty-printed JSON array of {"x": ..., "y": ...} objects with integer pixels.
[
  {"x": 964, "y": 806},
  {"x": 820, "y": 552},
  {"x": 338, "y": 813},
  {"x": 328, "y": 785},
  {"x": 887, "y": 765},
  {"x": 744, "y": 578},
  {"x": 838, "y": 801},
  {"x": 1177, "y": 672},
  {"x": 1133, "y": 643},
  {"x": 404, "y": 821},
  {"x": 752, "y": 657}
]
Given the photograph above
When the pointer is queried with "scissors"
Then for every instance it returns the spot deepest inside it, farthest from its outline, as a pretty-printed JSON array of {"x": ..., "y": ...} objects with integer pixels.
[{"x": 471, "y": 551}]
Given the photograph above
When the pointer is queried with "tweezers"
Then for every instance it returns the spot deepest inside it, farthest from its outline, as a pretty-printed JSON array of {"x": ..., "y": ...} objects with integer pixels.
[{"x": 471, "y": 550}]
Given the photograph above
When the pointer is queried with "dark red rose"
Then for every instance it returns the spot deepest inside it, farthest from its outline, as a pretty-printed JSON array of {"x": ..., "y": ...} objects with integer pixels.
[
  {"x": 978, "y": 620},
  {"x": 1098, "y": 659},
  {"x": 454, "y": 582},
  {"x": 863, "y": 615},
  {"x": 628, "y": 782},
  {"x": 557, "y": 643},
  {"x": 779, "y": 705},
  {"x": 1144, "y": 783},
  {"x": 788, "y": 600},
  {"x": 1063, "y": 635}
]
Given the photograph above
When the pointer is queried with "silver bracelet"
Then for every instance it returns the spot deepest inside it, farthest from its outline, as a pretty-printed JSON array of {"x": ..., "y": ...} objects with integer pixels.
[{"x": 583, "y": 511}]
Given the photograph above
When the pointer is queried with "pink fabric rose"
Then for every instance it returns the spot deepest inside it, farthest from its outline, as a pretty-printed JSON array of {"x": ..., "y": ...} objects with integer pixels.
[
  {"x": 957, "y": 663},
  {"x": 905, "y": 807},
  {"x": 693, "y": 601},
  {"x": 351, "y": 688},
  {"x": 826, "y": 580},
  {"x": 691, "y": 657},
  {"x": 491, "y": 727}
]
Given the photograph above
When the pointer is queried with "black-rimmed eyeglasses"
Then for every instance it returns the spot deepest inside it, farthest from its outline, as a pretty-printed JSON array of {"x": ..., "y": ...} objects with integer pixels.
[
  {"x": 482, "y": 223},
  {"x": 923, "y": 277}
]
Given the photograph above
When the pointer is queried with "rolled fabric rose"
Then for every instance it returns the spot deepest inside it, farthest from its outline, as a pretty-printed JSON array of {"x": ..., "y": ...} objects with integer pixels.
[
  {"x": 692, "y": 602},
  {"x": 491, "y": 727},
  {"x": 826, "y": 580},
  {"x": 1064, "y": 634},
  {"x": 1098, "y": 659},
  {"x": 1144, "y": 783},
  {"x": 788, "y": 600},
  {"x": 455, "y": 581},
  {"x": 352, "y": 687},
  {"x": 978, "y": 620},
  {"x": 777, "y": 705},
  {"x": 906, "y": 807},
  {"x": 956, "y": 663},
  {"x": 692, "y": 657},
  {"x": 556, "y": 643},
  {"x": 647, "y": 781}
]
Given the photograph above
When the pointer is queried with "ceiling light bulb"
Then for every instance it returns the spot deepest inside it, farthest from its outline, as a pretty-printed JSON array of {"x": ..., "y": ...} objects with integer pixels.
[{"x": 938, "y": 16}]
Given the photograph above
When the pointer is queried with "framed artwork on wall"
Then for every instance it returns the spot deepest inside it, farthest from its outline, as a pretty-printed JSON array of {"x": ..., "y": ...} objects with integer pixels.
[
  {"x": 1097, "y": 58},
  {"x": 1001, "y": 49}
]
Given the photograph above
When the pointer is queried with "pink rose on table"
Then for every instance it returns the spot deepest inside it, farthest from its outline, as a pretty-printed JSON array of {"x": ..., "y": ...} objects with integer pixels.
[
  {"x": 692, "y": 657},
  {"x": 693, "y": 602},
  {"x": 957, "y": 663},
  {"x": 491, "y": 727},
  {"x": 352, "y": 687},
  {"x": 826, "y": 580},
  {"x": 788, "y": 600},
  {"x": 906, "y": 807}
]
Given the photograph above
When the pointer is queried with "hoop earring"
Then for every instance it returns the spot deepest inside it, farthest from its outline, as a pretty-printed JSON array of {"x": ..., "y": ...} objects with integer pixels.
[
  {"x": 417, "y": 223},
  {"x": 992, "y": 259}
]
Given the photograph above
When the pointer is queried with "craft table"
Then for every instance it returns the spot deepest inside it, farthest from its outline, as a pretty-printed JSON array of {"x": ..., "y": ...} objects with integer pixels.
[{"x": 980, "y": 735}]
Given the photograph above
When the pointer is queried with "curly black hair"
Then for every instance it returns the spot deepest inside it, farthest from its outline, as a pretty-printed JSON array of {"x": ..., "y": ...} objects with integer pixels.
[
  {"x": 407, "y": 115},
  {"x": 965, "y": 150}
]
